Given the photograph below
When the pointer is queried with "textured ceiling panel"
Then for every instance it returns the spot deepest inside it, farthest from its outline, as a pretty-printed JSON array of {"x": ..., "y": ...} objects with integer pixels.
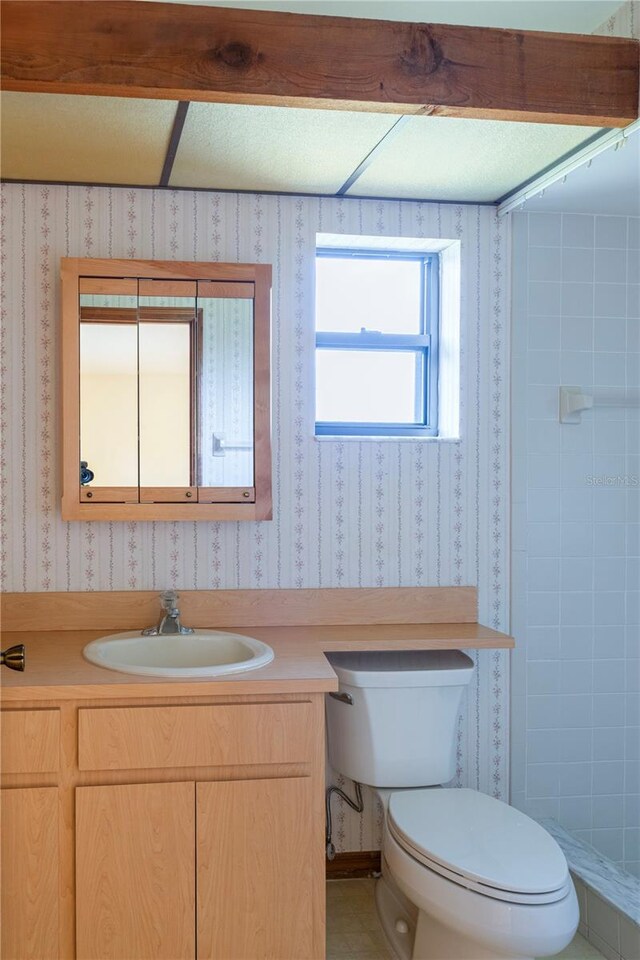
[
  {"x": 229, "y": 146},
  {"x": 89, "y": 139},
  {"x": 443, "y": 158},
  {"x": 120, "y": 140},
  {"x": 562, "y": 16}
]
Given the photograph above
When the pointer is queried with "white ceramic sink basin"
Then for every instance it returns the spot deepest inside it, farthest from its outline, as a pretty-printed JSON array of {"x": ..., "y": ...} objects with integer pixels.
[{"x": 206, "y": 653}]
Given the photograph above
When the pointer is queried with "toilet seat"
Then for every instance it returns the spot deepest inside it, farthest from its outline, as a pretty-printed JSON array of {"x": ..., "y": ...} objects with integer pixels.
[{"x": 479, "y": 843}]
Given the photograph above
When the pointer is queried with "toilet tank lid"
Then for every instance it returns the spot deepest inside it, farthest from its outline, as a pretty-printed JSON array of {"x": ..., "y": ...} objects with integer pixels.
[{"x": 402, "y": 668}]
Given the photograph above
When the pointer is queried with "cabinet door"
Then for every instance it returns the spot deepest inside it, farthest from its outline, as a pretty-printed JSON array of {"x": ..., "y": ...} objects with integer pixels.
[
  {"x": 135, "y": 872},
  {"x": 255, "y": 882},
  {"x": 30, "y": 865}
]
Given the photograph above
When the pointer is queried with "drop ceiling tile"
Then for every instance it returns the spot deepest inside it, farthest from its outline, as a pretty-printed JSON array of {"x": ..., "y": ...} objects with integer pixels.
[
  {"x": 445, "y": 158},
  {"x": 561, "y": 16},
  {"x": 49, "y": 136},
  {"x": 231, "y": 146}
]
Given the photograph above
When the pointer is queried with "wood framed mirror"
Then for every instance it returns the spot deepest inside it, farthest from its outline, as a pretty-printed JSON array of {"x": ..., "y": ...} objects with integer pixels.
[{"x": 165, "y": 390}]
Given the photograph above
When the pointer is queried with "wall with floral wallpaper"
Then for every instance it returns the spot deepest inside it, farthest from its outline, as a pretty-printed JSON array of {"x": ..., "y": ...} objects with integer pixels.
[
  {"x": 624, "y": 22},
  {"x": 346, "y": 514}
]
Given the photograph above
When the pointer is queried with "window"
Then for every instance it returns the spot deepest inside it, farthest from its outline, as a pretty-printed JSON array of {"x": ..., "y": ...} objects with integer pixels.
[{"x": 376, "y": 342}]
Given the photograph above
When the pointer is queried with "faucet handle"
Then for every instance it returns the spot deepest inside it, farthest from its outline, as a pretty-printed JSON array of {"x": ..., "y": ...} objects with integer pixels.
[{"x": 168, "y": 599}]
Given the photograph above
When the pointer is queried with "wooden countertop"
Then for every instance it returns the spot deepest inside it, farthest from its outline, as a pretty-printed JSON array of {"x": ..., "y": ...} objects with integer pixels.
[{"x": 56, "y": 669}]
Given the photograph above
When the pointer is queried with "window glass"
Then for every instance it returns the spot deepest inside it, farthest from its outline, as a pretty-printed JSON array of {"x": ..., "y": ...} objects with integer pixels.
[
  {"x": 369, "y": 386},
  {"x": 377, "y": 294}
]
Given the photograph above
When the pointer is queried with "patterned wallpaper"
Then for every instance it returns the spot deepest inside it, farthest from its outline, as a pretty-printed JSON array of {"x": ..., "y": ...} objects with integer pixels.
[
  {"x": 625, "y": 22},
  {"x": 346, "y": 514}
]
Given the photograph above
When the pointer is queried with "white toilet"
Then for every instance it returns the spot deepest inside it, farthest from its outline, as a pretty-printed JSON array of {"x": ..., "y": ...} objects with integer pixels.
[{"x": 464, "y": 876}]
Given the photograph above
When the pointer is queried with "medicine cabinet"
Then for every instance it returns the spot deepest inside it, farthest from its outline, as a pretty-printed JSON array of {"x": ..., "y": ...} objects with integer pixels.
[{"x": 165, "y": 390}]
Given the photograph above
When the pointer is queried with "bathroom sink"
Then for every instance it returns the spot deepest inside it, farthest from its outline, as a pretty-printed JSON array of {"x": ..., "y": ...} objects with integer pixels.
[{"x": 205, "y": 653}]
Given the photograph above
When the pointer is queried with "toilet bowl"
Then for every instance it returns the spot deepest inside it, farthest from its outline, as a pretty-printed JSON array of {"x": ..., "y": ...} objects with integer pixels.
[
  {"x": 464, "y": 876},
  {"x": 488, "y": 882}
]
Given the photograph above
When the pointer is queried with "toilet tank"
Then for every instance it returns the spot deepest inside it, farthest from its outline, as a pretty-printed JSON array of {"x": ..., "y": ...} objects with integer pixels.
[{"x": 399, "y": 730}]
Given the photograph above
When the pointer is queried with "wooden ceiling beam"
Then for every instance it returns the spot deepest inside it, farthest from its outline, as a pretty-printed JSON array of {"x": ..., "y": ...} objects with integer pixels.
[{"x": 187, "y": 52}]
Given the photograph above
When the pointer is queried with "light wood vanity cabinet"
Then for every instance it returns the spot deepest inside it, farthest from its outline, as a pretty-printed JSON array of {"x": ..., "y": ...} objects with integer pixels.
[{"x": 176, "y": 830}]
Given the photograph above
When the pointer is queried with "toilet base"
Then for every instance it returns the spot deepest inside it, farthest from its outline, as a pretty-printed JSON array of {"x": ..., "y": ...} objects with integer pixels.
[
  {"x": 414, "y": 935},
  {"x": 398, "y": 917},
  {"x": 434, "y": 941}
]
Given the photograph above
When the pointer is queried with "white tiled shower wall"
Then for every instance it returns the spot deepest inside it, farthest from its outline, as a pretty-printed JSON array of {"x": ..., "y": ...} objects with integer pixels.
[{"x": 576, "y": 579}]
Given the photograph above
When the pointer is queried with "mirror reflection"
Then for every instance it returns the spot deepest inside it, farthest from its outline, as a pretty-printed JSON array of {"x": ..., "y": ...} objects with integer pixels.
[
  {"x": 166, "y": 389},
  {"x": 109, "y": 389},
  {"x": 167, "y": 364},
  {"x": 226, "y": 457}
]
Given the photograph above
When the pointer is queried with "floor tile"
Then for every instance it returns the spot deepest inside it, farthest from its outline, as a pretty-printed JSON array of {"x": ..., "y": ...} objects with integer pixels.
[
  {"x": 579, "y": 949},
  {"x": 354, "y": 931}
]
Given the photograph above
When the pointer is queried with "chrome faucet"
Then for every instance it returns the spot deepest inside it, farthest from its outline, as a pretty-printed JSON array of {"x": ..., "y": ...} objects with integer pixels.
[{"x": 170, "y": 622}]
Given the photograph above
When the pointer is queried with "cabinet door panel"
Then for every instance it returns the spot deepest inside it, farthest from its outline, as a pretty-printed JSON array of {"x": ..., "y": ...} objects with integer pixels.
[
  {"x": 30, "y": 866},
  {"x": 30, "y": 741},
  {"x": 255, "y": 858},
  {"x": 135, "y": 870}
]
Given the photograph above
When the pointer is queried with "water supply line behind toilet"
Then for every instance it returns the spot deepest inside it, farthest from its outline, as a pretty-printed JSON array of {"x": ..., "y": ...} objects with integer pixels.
[{"x": 356, "y": 805}]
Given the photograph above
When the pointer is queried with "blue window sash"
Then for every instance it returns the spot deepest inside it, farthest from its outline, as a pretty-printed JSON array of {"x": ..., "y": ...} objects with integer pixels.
[
  {"x": 372, "y": 340},
  {"x": 360, "y": 429}
]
